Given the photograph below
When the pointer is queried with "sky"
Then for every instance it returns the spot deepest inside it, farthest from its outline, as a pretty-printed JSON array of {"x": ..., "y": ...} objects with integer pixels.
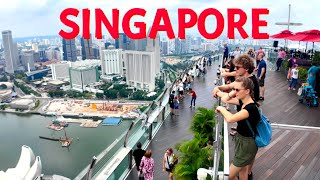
[{"x": 42, "y": 17}]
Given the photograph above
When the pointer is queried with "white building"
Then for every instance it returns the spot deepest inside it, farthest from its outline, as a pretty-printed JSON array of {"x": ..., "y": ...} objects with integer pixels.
[
  {"x": 25, "y": 104},
  {"x": 140, "y": 69},
  {"x": 60, "y": 71},
  {"x": 6, "y": 93},
  {"x": 112, "y": 62},
  {"x": 81, "y": 77}
]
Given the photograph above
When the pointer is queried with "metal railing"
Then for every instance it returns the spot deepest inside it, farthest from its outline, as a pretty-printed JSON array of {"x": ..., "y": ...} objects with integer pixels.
[
  {"x": 220, "y": 133},
  {"x": 115, "y": 162}
]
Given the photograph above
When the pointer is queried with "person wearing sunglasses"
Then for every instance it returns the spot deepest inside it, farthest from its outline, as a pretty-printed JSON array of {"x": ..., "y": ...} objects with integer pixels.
[
  {"x": 244, "y": 66},
  {"x": 245, "y": 146}
]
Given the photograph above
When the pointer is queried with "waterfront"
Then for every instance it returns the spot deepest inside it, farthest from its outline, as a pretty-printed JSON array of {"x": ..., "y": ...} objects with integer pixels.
[{"x": 18, "y": 130}]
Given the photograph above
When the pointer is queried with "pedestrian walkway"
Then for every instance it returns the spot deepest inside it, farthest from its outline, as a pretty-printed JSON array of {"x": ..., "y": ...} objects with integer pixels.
[
  {"x": 176, "y": 128},
  {"x": 294, "y": 151}
]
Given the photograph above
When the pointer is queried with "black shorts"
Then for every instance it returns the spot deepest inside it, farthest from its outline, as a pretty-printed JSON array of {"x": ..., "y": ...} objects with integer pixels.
[
  {"x": 171, "y": 106},
  {"x": 181, "y": 92},
  {"x": 261, "y": 82}
]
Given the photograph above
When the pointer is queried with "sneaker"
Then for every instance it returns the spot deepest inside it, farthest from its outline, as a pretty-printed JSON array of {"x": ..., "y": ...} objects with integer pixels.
[
  {"x": 261, "y": 98},
  {"x": 294, "y": 89},
  {"x": 289, "y": 88},
  {"x": 190, "y": 106}
]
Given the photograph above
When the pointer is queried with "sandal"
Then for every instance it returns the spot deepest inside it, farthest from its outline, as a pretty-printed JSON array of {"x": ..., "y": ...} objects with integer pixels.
[
  {"x": 233, "y": 133},
  {"x": 234, "y": 128}
]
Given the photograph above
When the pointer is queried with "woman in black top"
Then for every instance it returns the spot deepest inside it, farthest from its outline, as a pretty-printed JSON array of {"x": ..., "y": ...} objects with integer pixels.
[{"x": 245, "y": 146}]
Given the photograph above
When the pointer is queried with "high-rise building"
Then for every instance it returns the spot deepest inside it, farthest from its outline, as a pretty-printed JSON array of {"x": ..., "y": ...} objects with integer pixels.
[
  {"x": 112, "y": 61},
  {"x": 153, "y": 45},
  {"x": 165, "y": 48},
  {"x": 86, "y": 49},
  {"x": 82, "y": 76},
  {"x": 69, "y": 50},
  {"x": 122, "y": 42},
  {"x": 28, "y": 60},
  {"x": 140, "y": 69},
  {"x": 60, "y": 71},
  {"x": 177, "y": 46},
  {"x": 10, "y": 52}
]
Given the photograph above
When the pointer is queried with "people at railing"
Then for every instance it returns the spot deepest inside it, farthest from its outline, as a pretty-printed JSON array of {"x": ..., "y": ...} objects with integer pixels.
[
  {"x": 138, "y": 154},
  {"x": 225, "y": 52},
  {"x": 245, "y": 146},
  {"x": 169, "y": 161},
  {"x": 147, "y": 166},
  {"x": 281, "y": 56},
  {"x": 257, "y": 54},
  {"x": 244, "y": 68},
  {"x": 171, "y": 104},
  {"x": 251, "y": 53},
  {"x": 193, "y": 95}
]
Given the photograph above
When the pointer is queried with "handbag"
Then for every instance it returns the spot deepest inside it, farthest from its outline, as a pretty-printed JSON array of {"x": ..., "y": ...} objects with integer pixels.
[
  {"x": 264, "y": 131},
  {"x": 300, "y": 91},
  {"x": 141, "y": 176},
  {"x": 171, "y": 166}
]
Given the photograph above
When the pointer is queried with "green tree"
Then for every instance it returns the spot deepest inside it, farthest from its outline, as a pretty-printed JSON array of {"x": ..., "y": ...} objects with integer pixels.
[
  {"x": 138, "y": 95},
  {"x": 111, "y": 93},
  {"x": 193, "y": 156},
  {"x": 3, "y": 107},
  {"x": 4, "y": 78},
  {"x": 119, "y": 86},
  {"x": 99, "y": 95},
  {"x": 203, "y": 122},
  {"x": 123, "y": 93}
]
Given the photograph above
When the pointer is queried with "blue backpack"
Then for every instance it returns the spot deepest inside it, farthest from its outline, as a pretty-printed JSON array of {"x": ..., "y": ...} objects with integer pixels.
[{"x": 264, "y": 135}]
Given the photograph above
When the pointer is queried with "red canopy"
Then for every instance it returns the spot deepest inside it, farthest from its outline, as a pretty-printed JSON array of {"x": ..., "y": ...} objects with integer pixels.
[
  {"x": 310, "y": 36},
  {"x": 282, "y": 35}
]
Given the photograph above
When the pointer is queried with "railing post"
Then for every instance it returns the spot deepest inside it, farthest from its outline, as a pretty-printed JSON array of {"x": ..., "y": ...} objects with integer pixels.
[
  {"x": 163, "y": 113},
  {"x": 150, "y": 132},
  {"x": 89, "y": 173},
  {"x": 130, "y": 159}
]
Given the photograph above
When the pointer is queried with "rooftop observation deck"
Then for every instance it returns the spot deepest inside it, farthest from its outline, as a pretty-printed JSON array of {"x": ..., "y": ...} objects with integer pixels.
[{"x": 294, "y": 152}]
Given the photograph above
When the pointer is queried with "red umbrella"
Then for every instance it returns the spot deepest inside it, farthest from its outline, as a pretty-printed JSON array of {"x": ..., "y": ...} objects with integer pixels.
[
  {"x": 309, "y": 36},
  {"x": 282, "y": 35}
]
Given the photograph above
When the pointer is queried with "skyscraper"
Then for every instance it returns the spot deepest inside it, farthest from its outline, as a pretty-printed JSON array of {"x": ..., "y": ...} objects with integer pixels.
[
  {"x": 69, "y": 50},
  {"x": 87, "y": 50},
  {"x": 122, "y": 42},
  {"x": 10, "y": 52}
]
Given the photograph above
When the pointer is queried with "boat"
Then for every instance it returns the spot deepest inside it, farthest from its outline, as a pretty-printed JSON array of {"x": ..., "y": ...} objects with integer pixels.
[
  {"x": 65, "y": 141},
  {"x": 55, "y": 127},
  {"x": 48, "y": 138}
]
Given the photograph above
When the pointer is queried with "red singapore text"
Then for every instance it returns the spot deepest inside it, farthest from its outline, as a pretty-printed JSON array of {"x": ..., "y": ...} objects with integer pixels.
[{"x": 187, "y": 18}]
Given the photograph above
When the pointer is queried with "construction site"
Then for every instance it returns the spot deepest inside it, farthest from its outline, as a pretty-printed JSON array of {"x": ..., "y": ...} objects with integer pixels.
[{"x": 85, "y": 108}]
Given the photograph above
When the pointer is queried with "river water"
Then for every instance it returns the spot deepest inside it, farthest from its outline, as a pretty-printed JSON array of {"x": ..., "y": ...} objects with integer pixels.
[{"x": 18, "y": 130}]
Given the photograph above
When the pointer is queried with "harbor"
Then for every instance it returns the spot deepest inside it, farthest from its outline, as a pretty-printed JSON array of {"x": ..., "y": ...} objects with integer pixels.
[{"x": 86, "y": 142}]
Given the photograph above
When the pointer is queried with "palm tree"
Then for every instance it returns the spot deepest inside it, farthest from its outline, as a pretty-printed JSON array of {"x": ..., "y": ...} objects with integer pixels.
[
  {"x": 192, "y": 157},
  {"x": 204, "y": 123}
]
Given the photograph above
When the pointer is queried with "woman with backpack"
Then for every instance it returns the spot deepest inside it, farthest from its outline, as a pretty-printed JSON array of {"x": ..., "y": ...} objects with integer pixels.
[{"x": 245, "y": 145}]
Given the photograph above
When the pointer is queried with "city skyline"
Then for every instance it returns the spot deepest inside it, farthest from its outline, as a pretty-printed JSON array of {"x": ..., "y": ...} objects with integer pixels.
[{"x": 32, "y": 14}]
